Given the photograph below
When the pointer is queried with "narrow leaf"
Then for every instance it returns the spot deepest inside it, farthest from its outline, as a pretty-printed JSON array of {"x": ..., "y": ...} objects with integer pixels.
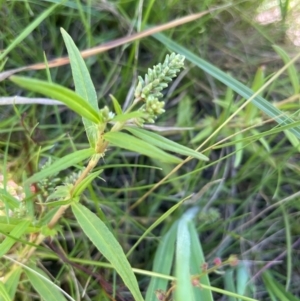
[
  {"x": 164, "y": 143},
  {"x": 85, "y": 182},
  {"x": 27, "y": 31},
  {"x": 8, "y": 224},
  {"x": 3, "y": 293},
  {"x": 83, "y": 84},
  {"x": 129, "y": 142},
  {"x": 197, "y": 261},
  {"x": 276, "y": 288},
  {"x": 292, "y": 71},
  {"x": 182, "y": 263},
  {"x": 12, "y": 282},
  {"x": 162, "y": 264},
  {"x": 107, "y": 244},
  {"x": 16, "y": 233},
  {"x": 67, "y": 96},
  {"x": 229, "y": 81},
  {"x": 116, "y": 104},
  {"x": 61, "y": 164},
  {"x": 40, "y": 281}
]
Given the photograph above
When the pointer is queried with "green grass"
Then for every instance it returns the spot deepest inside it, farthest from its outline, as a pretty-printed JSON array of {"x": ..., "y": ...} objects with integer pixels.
[{"x": 174, "y": 217}]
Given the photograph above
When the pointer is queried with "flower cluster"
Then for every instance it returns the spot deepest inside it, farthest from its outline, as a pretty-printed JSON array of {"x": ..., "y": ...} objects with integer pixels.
[{"x": 157, "y": 79}]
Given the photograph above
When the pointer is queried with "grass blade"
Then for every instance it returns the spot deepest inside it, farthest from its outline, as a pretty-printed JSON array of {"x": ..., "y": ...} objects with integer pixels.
[
  {"x": 4, "y": 296},
  {"x": 184, "y": 288},
  {"x": 197, "y": 261},
  {"x": 162, "y": 263},
  {"x": 28, "y": 30},
  {"x": 292, "y": 71},
  {"x": 229, "y": 81},
  {"x": 12, "y": 282},
  {"x": 107, "y": 244}
]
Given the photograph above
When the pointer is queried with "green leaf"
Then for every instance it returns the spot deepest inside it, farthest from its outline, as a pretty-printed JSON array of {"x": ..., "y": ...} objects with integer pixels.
[
  {"x": 85, "y": 182},
  {"x": 229, "y": 81},
  {"x": 83, "y": 85},
  {"x": 164, "y": 143},
  {"x": 129, "y": 142},
  {"x": 107, "y": 244},
  {"x": 155, "y": 224},
  {"x": 184, "y": 288},
  {"x": 12, "y": 282},
  {"x": 197, "y": 261},
  {"x": 27, "y": 31},
  {"x": 276, "y": 288},
  {"x": 292, "y": 71},
  {"x": 162, "y": 264},
  {"x": 126, "y": 116},
  {"x": 61, "y": 164},
  {"x": 8, "y": 224},
  {"x": 15, "y": 233},
  {"x": 40, "y": 281},
  {"x": 3, "y": 293},
  {"x": 229, "y": 284},
  {"x": 116, "y": 104},
  {"x": 67, "y": 96}
]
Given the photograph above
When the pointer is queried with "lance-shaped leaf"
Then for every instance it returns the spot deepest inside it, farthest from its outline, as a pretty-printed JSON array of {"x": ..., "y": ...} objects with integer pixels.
[
  {"x": 131, "y": 143},
  {"x": 61, "y": 164},
  {"x": 16, "y": 233},
  {"x": 47, "y": 290},
  {"x": 83, "y": 84},
  {"x": 67, "y": 96},
  {"x": 164, "y": 143},
  {"x": 107, "y": 244}
]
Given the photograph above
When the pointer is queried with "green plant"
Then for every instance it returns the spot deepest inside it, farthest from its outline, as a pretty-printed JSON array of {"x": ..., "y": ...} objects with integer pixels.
[{"x": 103, "y": 128}]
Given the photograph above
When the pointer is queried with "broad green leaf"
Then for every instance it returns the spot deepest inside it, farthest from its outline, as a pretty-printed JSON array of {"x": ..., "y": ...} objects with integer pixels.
[
  {"x": 126, "y": 141},
  {"x": 197, "y": 261},
  {"x": 184, "y": 288},
  {"x": 27, "y": 31},
  {"x": 61, "y": 164},
  {"x": 40, "y": 281},
  {"x": 164, "y": 143},
  {"x": 85, "y": 182},
  {"x": 12, "y": 282},
  {"x": 229, "y": 81},
  {"x": 107, "y": 244},
  {"x": 4, "y": 296},
  {"x": 162, "y": 264},
  {"x": 83, "y": 85},
  {"x": 8, "y": 224},
  {"x": 67, "y": 96},
  {"x": 15, "y": 233},
  {"x": 292, "y": 71}
]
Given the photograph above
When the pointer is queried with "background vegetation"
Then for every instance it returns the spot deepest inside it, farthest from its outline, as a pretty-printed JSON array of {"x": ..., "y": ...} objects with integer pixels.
[{"x": 244, "y": 201}]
